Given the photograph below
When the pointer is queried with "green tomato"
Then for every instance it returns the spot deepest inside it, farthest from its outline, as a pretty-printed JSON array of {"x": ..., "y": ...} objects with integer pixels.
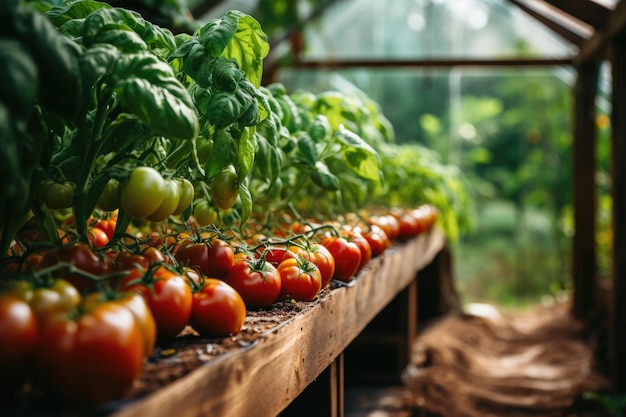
[
  {"x": 171, "y": 197},
  {"x": 225, "y": 188},
  {"x": 204, "y": 213},
  {"x": 109, "y": 200},
  {"x": 56, "y": 195},
  {"x": 143, "y": 192},
  {"x": 186, "y": 192}
]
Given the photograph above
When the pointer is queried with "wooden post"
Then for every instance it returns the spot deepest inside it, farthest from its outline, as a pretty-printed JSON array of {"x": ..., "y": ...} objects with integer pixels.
[
  {"x": 584, "y": 194},
  {"x": 618, "y": 317}
]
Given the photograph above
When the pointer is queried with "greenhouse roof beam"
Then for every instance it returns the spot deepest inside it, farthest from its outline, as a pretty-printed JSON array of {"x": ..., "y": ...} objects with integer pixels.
[
  {"x": 615, "y": 27},
  {"x": 431, "y": 63},
  {"x": 587, "y": 11},
  {"x": 556, "y": 20}
]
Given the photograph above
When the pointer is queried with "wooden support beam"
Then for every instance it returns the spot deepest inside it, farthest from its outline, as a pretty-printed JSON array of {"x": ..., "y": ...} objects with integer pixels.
[
  {"x": 588, "y": 11},
  {"x": 618, "y": 138},
  {"x": 594, "y": 48},
  {"x": 584, "y": 193}
]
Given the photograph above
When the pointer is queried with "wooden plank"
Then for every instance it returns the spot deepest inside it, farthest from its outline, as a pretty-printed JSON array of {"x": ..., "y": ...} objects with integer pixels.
[
  {"x": 587, "y": 11},
  {"x": 264, "y": 380},
  {"x": 584, "y": 193},
  {"x": 594, "y": 48},
  {"x": 618, "y": 139}
]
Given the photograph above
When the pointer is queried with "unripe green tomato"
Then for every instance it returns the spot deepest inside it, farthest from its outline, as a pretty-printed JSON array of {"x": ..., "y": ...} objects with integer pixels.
[
  {"x": 225, "y": 188},
  {"x": 204, "y": 147},
  {"x": 170, "y": 202},
  {"x": 204, "y": 213},
  {"x": 143, "y": 192},
  {"x": 109, "y": 200},
  {"x": 56, "y": 195},
  {"x": 186, "y": 192}
]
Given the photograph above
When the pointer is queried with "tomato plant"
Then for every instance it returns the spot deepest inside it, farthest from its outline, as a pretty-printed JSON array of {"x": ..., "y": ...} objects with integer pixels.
[
  {"x": 143, "y": 192},
  {"x": 217, "y": 310},
  {"x": 300, "y": 279},
  {"x": 346, "y": 254},
  {"x": 257, "y": 281}
]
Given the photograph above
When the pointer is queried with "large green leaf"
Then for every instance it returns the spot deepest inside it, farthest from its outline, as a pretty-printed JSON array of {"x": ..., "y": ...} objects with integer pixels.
[
  {"x": 360, "y": 157},
  {"x": 148, "y": 88}
]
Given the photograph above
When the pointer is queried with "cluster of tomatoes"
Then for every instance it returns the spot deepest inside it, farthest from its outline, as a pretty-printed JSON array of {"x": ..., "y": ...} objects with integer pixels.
[{"x": 63, "y": 306}]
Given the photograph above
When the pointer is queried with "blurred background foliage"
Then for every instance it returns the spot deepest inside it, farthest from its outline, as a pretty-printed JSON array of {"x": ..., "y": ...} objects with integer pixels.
[{"x": 507, "y": 132}]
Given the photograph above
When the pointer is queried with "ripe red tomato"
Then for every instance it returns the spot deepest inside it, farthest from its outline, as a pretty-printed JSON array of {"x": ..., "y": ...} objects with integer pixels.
[
  {"x": 107, "y": 226},
  {"x": 378, "y": 240},
  {"x": 257, "y": 281},
  {"x": 97, "y": 237},
  {"x": 300, "y": 279},
  {"x": 214, "y": 257},
  {"x": 19, "y": 335},
  {"x": 388, "y": 223},
  {"x": 82, "y": 257},
  {"x": 218, "y": 310},
  {"x": 319, "y": 255},
  {"x": 362, "y": 243},
  {"x": 347, "y": 257},
  {"x": 91, "y": 357},
  {"x": 168, "y": 295}
]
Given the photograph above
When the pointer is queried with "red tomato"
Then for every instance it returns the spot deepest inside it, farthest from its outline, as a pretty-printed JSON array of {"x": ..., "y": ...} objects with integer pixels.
[
  {"x": 126, "y": 261},
  {"x": 378, "y": 240},
  {"x": 168, "y": 295},
  {"x": 214, "y": 257},
  {"x": 91, "y": 357},
  {"x": 388, "y": 223},
  {"x": 362, "y": 243},
  {"x": 82, "y": 257},
  {"x": 107, "y": 226},
  {"x": 97, "y": 237},
  {"x": 18, "y": 339},
  {"x": 319, "y": 255},
  {"x": 258, "y": 282},
  {"x": 274, "y": 254},
  {"x": 218, "y": 309},
  {"x": 300, "y": 279},
  {"x": 347, "y": 257}
]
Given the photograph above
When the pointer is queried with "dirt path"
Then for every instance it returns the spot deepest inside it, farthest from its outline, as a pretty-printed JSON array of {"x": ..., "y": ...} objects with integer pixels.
[{"x": 523, "y": 364}]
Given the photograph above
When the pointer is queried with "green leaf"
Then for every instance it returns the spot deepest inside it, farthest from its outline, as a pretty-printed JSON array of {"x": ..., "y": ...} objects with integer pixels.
[
  {"x": 306, "y": 148},
  {"x": 360, "y": 157},
  {"x": 59, "y": 15},
  {"x": 224, "y": 153},
  {"x": 245, "y": 154},
  {"x": 148, "y": 88},
  {"x": 322, "y": 176}
]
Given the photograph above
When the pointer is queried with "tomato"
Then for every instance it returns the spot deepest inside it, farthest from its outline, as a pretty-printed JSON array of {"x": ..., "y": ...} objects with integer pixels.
[
  {"x": 109, "y": 199},
  {"x": 56, "y": 195},
  {"x": 58, "y": 295},
  {"x": 409, "y": 226},
  {"x": 347, "y": 257},
  {"x": 94, "y": 356},
  {"x": 168, "y": 295},
  {"x": 97, "y": 237},
  {"x": 82, "y": 257},
  {"x": 186, "y": 193},
  {"x": 204, "y": 213},
  {"x": 274, "y": 254},
  {"x": 143, "y": 192},
  {"x": 300, "y": 279},
  {"x": 218, "y": 310},
  {"x": 107, "y": 226},
  {"x": 225, "y": 188},
  {"x": 214, "y": 257},
  {"x": 19, "y": 335},
  {"x": 258, "y": 282},
  {"x": 378, "y": 240},
  {"x": 319, "y": 255},
  {"x": 171, "y": 197},
  {"x": 388, "y": 223},
  {"x": 427, "y": 214},
  {"x": 127, "y": 261},
  {"x": 362, "y": 243}
]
